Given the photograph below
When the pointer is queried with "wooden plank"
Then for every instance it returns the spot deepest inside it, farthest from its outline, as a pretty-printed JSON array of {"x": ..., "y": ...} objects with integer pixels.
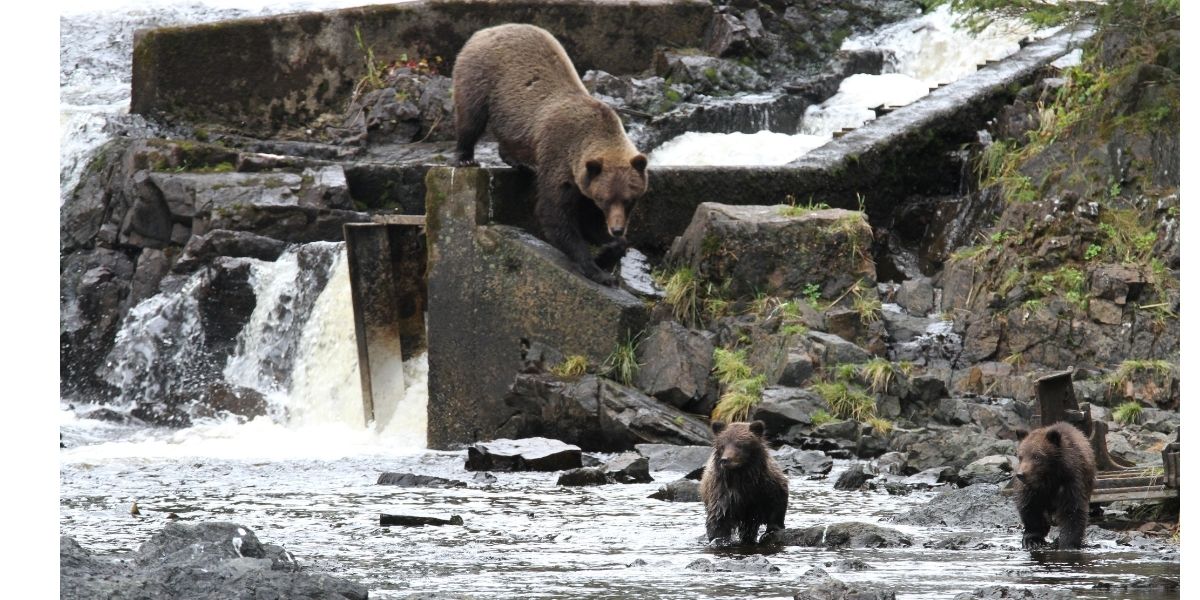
[
  {"x": 1114, "y": 495},
  {"x": 1130, "y": 482}
]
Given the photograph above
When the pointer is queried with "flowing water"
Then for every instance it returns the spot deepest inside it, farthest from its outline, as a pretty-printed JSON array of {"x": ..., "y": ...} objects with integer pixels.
[
  {"x": 304, "y": 475},
  {"x": 921, "y": 53}
]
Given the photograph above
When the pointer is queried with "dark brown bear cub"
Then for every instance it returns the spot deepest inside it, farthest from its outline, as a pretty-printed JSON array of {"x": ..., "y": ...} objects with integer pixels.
[
  {"x": 1054, "y": 479},
  {"x": 517, "y": 82},
  {"x": 742, "y": 486}
]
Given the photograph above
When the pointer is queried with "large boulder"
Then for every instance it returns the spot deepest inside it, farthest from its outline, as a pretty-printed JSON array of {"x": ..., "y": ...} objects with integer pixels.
[
  {"x": 840, "y": 535},
  {"x": 782, "y": 408},
  {"x": 816, "y": 584},
  {"x": 681, "y": 459},
  {"x": 528, "y": 454},
  {"x": 196, "y": 562},
  {"x": 681, "y": 490},
  {"x": 765, "y": 249},
  {"x": 674, "y": 364},
  {"x": 975, "y": 506},
  {"x": 596, "y": 413},
  {"x": 94, "y": 287}
]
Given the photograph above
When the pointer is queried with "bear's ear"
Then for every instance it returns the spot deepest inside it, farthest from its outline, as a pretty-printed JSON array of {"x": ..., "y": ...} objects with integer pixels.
[
  {"x": 594, "y": 167},
  {"x": 639, "y": 163},
  {"x": 1021, "y": 433},
  {"x": 1054, "y": 437},
  {"x": 758, "y": 428},
  {"x": 718, "y": 427}
]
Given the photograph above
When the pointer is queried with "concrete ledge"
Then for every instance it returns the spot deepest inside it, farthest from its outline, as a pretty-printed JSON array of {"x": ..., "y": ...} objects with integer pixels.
[
  {"x": 491, "y": 289},
  {"x": 266, "y": 74}
]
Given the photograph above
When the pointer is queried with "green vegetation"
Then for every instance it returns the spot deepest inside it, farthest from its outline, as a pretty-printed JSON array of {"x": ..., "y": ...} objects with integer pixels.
[
  {"x": 1131, "y": 368},
  {"x": 730, "y": 365},
  {"x": 622, "y": 364},
  {"x": 573, "y": 367},
  {"x": 812, "y": 295},
  {"x": 1127, "y": 413},
  {"x": 879, "y": 373},
  {"x": 867, "y": 304},
  {"x": 846, "y": 401},
  {"x": 881, "y": 425},
  {"x": 822, "y": 417},
  {"x": 681, "y": 293},
  {"x": 796, "y": 210},
  {"x": 740, "y": 396}
]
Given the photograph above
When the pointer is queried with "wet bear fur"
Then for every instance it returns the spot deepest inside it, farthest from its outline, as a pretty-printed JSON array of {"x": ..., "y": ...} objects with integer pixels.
[
  {"x": 517, "y": 82},
  {"x": 1054, "y": 480},
  {"x": 742, "y": 487}
]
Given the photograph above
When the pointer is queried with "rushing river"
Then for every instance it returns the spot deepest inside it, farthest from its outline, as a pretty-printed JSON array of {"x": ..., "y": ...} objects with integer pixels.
[{"x": 304, "y": 477}]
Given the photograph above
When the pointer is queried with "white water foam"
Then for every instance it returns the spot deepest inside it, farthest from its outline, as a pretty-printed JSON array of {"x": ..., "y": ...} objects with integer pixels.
[{"x": 922, "y": 53}]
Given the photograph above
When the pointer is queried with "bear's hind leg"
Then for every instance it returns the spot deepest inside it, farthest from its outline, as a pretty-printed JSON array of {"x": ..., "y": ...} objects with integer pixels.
[{"x": 470, "y": 121}]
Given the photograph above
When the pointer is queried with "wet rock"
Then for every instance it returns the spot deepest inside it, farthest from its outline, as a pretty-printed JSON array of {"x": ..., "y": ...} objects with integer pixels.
[
  {"x": 193, "y": 562},
  {"x": 528, "y": 454},
  {"x": 961, "y": 541},
  {"x": 1140, "y": 448},
  {"x": 152, "y": 266},
  {"x": 1162, "y": 421},
  {"x": 853, "y": 478},
  {"x": 998, "y": 592},
  {"x": 595, "y": 413},
  {"x": 93, "y": 288},
  {"x": 682, "y": 490},
  {"x": 848, "y": 565},
  {"x": 708, "y": 74},
  {"x": 840, "y": 535},
  {"x": 761, "y": 249},
  {"x": 931, "y": 477},
  {"x": 583, "y": 476},
  {"x": 1001, "y": 417},
  {"x": 802, "y": 462},
  {"x": 977, "y": 506},
  {"x": 916, "y": 296},
  {"x": 221, "y": 397},
  {"x": 891, "y": 463},
  {"x": 989, "y": 469},
  {"x": 674, "y": 365},
  {"x": 413, "y": 480},
  {"x": 782, "y": 408},
  {"x": 221, "y": 242},
  {"x": 754, "y": 564},
  {"x": 832, "y": 350},
  {"x": 484, "y": 478},
  {"x": 730, "y": 36},
  {"x": 629, "y": 467},
  {"x": 816, "y": 584},
  {"x": 955, "y": 446},
  {"x": 105, "y": 414},
  {"x": 414, "y": 521},
  {"x": 901, "y": 326},
  {"x": 1139, "y": 583},
  {"x": 681, "y": 459}
]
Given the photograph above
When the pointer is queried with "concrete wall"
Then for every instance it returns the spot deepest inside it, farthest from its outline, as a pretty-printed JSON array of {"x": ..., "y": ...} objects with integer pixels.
[{"x": 262, "y": 75}]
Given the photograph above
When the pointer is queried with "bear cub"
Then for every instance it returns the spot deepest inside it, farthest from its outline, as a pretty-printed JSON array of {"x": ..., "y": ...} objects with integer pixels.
[
  {"x": 742, "y": 487},
  {"x": 517, "y": 82},
  {"x": 1054, "y": 478}
]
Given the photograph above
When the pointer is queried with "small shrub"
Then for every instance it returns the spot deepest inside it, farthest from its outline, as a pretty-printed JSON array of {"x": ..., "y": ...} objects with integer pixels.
[
  {"x": 846, "y": 401},
  {"x": 682, "y": 294},
  {"x": 879, "y": 374},
  {"x": 730, "y": 365},
  {"x": 822, "y": 417},
  {"x": 739, "y": 398},
  {"x": 1127, "y": 413},
  {"x": 574, "y": 367},
  {"x": 622, "y": 364},
  {"x": 880, "y": 425},
  {"x": 812, "y": 294}
]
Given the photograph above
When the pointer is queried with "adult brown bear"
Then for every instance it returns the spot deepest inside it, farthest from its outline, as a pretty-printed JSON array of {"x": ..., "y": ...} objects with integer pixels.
[
  {"x": 517, "y": 82},
  {"x": 1056, "y": 472}
]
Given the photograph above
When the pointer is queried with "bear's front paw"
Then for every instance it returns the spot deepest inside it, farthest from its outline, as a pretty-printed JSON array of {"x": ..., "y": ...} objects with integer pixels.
[
  {"x": 1033, "y": 541},
  {"x": 598, "y": 275},
  {"x": 611, "y": 253},
  {"x": 466, "y": 162}
]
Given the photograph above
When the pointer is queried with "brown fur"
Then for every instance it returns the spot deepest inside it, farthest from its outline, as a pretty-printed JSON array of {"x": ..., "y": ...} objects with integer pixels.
[
  {"x": 517, "y": 82},
  {"x": 1055, "y": 477},
  {"x": 742, "y": 486}
]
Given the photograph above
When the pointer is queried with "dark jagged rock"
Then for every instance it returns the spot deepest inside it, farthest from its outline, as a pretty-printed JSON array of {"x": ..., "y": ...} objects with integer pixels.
[
  {"x": 682, "y": 490},
  {"x": 1004, "y": 592},
  {"x": 629, "y": 468},
  {"x": 916, "y": 296},
  {"x": 527, "y": 454},
  {"x": 221, "y": 397},
  {"x": 891, "y": 463},
  {"x": 816, "y": 584},
  {"x": 94, "y": 287},
  {"x": 708, "y": 74},
  {"x": 853, "y": 478},
  {"x": 832, "y": 350},
  {"x": 681, "y": 459},
  {"x": 840, "y": 535},
  {"x": 782, "y": 408},
  {"x": 989, "y": 469},
  {"x": 755, "y": 564},
  {"x": 583, "y": 476},
  {"x": 776, "y": 253},
  {"x": 674, "y": 365},
  {"x": 955, "y": 446},
  {"x": 849, "y": 565},
  {"x": 412, "y": 480},
  {"x": 596, "y": 413},
  {"x": 976, "y": 506},
  {"x": 932, "y": 477},
  {"x": 195, "y": 562},
  {"x": 201, "y": 249},
  {"x": 961, "y": 541},
  {"x": 802, "y": 462},
  {"x": 411, "y": 521}
]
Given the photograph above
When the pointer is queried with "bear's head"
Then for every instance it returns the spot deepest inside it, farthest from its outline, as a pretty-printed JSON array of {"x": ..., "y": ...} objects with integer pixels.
[
  {"x": 1039, "y": 456},
  {"x": 736, "y": 445},
  {"x": 614, "y": 182}
]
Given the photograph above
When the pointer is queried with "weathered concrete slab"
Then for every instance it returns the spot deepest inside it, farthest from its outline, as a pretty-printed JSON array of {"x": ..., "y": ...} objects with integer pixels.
[
  {"x": 492, "y": 288},
  {"x": 387, "y": 270},
  {"x": 266, "y": 74}
]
